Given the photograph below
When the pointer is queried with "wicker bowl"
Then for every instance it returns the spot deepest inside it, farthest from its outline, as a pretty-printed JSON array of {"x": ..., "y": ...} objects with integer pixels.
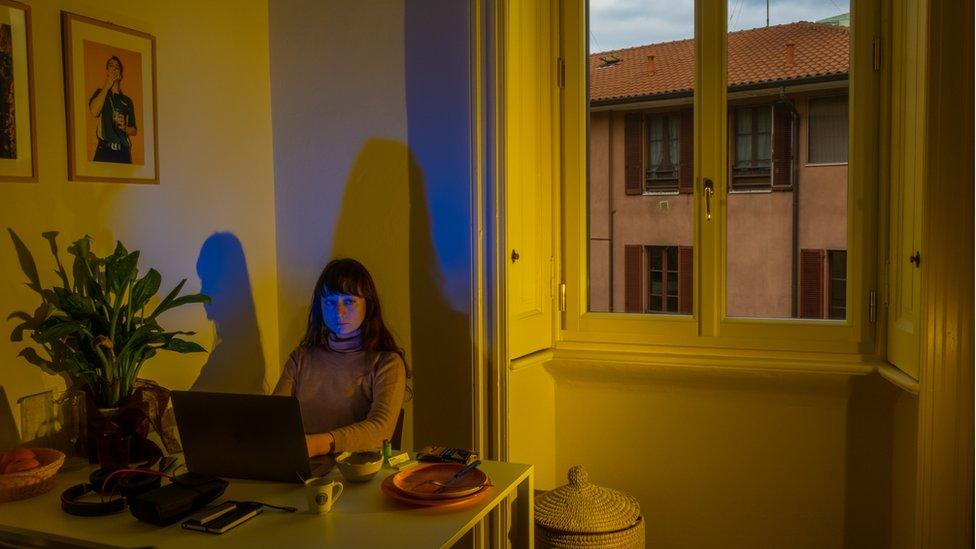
[{"x": 26, "y": 484}]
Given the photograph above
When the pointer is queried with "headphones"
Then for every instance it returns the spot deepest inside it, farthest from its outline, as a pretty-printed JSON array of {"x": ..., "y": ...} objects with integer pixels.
[{"x": 128, "y": 485}]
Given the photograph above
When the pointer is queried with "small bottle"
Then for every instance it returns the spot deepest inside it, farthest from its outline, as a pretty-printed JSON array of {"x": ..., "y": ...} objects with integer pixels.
[{"x": 387, "y": 452}]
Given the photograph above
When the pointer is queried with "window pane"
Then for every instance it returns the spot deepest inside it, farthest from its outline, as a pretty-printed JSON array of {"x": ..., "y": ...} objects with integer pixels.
[
  {"x": 783, "y": 198},
  {"x": 641, "y": 74},
  {"x": 828, "y": 129}
]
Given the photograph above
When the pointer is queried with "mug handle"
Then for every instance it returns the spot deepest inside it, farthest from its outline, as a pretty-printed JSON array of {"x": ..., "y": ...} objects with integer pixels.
[{"x": 336, "y": 493}]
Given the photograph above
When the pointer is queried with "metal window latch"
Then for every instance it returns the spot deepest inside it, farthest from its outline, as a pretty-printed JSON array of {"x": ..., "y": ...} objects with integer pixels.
[
  {"x": 916, "y": 259},
  {"x": 709, "y": 191},
  {"x": 515, "y": 256}
]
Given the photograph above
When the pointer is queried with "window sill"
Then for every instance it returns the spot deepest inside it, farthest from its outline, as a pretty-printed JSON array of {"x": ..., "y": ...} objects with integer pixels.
[
  {"x": 713, "y": 361},
  {"x": 898, "y": 378}
]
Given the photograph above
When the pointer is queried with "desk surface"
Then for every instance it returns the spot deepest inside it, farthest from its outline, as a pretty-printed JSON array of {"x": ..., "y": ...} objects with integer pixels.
[{"x": 363, "y": 517}]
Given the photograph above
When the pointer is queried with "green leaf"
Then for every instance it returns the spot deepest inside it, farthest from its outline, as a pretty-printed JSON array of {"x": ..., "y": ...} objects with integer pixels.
[
  {"x": 55, "y": 332},
  {"x": 182, "y": 346},
  {"x": 144, "y": 289},
  {"x": 26, "y": 262},
  {"x": 118, "y": 271},
  {"x": 192, "y": 298},
  {"x": 165, "y": 303},
  {"x": 30, "y": 355}
]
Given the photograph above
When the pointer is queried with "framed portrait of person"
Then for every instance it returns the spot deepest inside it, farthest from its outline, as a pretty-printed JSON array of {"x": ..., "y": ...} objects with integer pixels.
[
  {"x": 18, "y": 144},
  {"x": 110, "y": 95}
]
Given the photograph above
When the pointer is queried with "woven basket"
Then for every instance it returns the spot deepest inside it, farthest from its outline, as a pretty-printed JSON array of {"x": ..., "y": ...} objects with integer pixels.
[
  {"x": 581, "y": 514},
  {"x": 26, "y": 484}
]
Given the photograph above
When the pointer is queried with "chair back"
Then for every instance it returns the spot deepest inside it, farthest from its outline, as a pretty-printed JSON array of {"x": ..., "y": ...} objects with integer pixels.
[{"x": 397, "y": 432}]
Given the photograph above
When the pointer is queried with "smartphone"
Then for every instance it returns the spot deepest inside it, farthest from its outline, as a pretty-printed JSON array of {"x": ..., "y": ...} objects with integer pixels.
[{"x": 221, "y": 518}]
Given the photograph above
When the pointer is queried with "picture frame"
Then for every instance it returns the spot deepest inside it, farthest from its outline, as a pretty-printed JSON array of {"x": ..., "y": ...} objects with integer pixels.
[
  {"x": 110, "y": 101},
  {"x": 18, "y": 139}
]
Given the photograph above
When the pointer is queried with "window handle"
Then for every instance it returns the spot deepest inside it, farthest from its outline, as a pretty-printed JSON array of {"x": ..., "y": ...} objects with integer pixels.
[{"x": 709, "y": 191}]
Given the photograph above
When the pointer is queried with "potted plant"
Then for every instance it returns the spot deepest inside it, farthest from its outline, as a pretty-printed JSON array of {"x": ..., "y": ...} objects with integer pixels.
[{"x": 97, "y": 328}]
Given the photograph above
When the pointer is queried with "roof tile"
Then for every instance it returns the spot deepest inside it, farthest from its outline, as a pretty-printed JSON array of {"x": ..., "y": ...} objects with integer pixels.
[{"x": 756, "y": 56}]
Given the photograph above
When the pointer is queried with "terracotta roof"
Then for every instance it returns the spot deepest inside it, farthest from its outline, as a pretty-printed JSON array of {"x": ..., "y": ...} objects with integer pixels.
[{"x": 756, "y": 56}]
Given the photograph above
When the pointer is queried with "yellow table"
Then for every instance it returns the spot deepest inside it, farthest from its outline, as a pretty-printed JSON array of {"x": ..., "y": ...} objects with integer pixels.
[{"x": 363, "y": 517}]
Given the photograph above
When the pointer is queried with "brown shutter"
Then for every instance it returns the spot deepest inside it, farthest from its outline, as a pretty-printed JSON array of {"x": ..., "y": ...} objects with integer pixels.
[
  {"x": 782, "y": 147},
  {"x": 686, "y": 279},
  {"x": 686, "y": 151},
  {"x": 633, "y": 154},
  {"x": 811, "y": 283},
  {"x": 633, "y": 279}
]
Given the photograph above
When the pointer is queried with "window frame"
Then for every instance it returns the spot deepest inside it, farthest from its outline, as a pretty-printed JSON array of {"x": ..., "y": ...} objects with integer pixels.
[
  {"x": 670, "y": 117},
  {"x": 753, "y": 137},
  {"x": 709, "y": 326},
  {"x": 809, "y": 130}
]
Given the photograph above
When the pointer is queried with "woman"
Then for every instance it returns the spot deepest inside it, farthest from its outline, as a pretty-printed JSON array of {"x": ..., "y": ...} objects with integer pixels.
[{"x": 348, "y": 372}]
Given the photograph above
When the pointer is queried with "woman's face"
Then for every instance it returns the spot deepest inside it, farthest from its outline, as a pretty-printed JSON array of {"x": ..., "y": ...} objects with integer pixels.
[{"x": 343, "y": 313}]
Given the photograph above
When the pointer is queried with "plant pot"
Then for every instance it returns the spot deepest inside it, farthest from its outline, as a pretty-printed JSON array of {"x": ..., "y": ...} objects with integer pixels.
[{"x": 117, "y": 436}]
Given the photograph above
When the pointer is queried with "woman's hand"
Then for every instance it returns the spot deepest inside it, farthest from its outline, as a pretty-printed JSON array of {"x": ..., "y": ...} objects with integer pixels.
[{"x": 320, "y": 443}]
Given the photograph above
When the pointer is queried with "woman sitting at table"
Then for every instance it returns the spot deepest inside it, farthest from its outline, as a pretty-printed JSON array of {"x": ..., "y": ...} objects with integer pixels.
[{"x": 348, "y": 373}]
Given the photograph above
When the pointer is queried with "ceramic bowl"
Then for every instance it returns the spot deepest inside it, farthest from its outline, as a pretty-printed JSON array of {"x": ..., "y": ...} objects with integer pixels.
[{"x": 360, "y": 466}]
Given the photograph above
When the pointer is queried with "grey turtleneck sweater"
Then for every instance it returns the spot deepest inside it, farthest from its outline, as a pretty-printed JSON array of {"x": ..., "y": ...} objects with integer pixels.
[{"x": 355, "y": 395}]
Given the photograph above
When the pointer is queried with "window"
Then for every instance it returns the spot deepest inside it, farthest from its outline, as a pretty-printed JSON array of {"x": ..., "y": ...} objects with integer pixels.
[
  {"x": 837, "y": 285},
  {"x": 827, "y": 134},
  {"x": 753, "y": 146},
  {"x": 776, "y": 242},
  {"x": 658, "y": 151},
  {"x": 659, "y": 279},
  {"x": 661, "y": 173},
  {"x": 823, "y": 284}
]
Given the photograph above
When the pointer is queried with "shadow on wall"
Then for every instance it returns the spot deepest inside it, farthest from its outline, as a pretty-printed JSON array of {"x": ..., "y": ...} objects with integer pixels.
[
  {"x": 384, "y": 223},
  {"x": 236, "y": 364},
  {"x": 9, "y": 437}
]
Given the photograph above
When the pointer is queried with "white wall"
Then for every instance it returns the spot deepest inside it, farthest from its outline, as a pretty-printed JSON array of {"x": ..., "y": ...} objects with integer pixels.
[{"x": 372, "y": 161}]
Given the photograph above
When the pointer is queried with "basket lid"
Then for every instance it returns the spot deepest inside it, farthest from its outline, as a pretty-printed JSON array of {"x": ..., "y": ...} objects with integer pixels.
[{"x": 584, "y": 508}]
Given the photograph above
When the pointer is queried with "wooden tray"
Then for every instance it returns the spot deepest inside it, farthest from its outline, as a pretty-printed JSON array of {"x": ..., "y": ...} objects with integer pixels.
[
  {"x": 411, "y": 482},
  {"x": 390, "y": 490}
]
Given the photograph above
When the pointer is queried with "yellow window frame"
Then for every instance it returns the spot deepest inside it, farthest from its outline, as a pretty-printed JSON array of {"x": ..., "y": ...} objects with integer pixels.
[{"x": 709, "y": 329}]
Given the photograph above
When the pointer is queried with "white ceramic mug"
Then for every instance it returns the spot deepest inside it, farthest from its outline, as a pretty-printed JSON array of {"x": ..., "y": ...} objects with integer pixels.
[{"x": 322, "y": 493}]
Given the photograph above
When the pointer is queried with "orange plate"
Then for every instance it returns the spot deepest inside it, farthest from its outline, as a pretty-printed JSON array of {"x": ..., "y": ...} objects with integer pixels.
[
  {"x": 411, "y": 482},
  {"x": 390, "y": 489}
]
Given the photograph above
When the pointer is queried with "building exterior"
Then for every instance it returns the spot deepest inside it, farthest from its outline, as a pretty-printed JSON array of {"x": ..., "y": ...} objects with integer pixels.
[{"x": 787, "y": 201}]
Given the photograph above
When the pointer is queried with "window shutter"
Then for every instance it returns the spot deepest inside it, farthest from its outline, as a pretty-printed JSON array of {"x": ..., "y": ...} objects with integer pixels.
[
  {"x": 686, "y": 151},
  {"x": 686, "y": 279},
  {"x": 811, "y": 283},
  {"x": 633, "y": 154},
  {"x": 633, "y": 279},
  {"x": 783, "y": 147}
]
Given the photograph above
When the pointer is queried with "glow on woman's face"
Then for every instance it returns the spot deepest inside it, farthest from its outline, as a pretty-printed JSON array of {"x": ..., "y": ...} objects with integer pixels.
[{"x": 343, "y": 313}]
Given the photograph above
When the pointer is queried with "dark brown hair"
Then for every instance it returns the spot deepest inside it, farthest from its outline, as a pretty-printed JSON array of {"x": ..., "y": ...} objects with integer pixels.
[{"x": 348, "y": 276}]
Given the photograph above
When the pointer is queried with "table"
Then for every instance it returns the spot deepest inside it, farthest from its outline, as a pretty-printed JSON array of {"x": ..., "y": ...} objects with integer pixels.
[{"x": 363, "y": 517}]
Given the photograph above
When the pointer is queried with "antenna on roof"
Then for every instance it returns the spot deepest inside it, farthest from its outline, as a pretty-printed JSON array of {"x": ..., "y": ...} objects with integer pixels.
[{"x": 767, "y": 13}]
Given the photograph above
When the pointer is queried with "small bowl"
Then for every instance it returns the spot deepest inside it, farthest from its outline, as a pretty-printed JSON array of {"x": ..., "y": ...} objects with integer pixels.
[{"x": 360, "y": 466}]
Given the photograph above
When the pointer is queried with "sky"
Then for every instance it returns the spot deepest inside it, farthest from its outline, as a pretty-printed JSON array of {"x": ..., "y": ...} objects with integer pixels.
[{"x": 616, "y": 24}]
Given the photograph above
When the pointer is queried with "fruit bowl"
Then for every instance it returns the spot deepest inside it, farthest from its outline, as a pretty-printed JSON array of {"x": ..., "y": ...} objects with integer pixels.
[{"x": 40, "y": 479}]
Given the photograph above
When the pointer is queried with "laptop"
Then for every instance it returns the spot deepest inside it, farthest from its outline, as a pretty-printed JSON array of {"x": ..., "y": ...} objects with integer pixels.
[{"x": 258, "y": 437}]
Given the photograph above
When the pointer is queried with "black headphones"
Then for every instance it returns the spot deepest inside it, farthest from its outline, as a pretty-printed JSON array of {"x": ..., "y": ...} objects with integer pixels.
[
  {"x": 127, "y": 486},
  {"x": 71, "y": 505}
]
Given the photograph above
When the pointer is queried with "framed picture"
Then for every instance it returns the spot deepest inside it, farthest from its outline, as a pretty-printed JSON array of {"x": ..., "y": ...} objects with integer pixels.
[
  {"x": 110, "y": 96},
  {"x": 18, "y": 145}
]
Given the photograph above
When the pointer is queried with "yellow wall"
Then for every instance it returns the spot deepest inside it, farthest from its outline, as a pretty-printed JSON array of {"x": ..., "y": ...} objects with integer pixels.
[
  {"x": 725, "y": 459},
  {"x": 216, "y": 176}
]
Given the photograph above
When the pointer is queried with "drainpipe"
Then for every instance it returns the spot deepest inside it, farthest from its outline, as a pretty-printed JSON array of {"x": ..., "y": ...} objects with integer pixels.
[
  {"x": 795, "y": 259},
  {"x": 610, "y": 207}
]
